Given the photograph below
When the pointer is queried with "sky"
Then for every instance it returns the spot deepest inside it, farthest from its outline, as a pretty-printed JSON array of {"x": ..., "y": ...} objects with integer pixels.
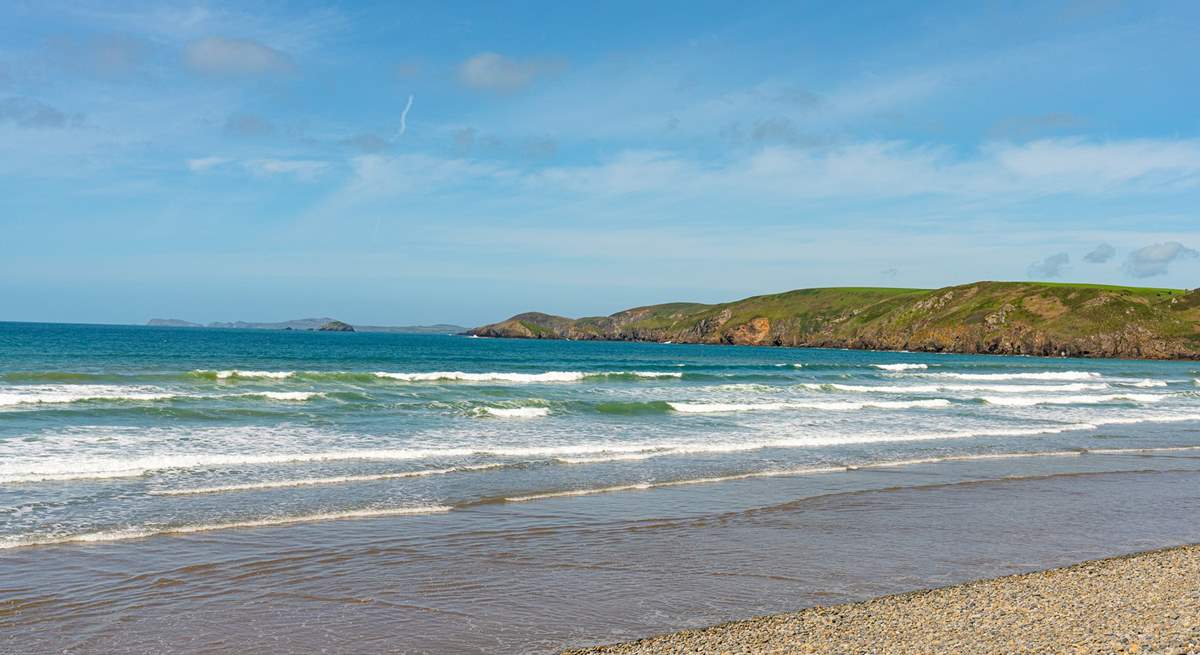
[{"x": 418, "y": 162}]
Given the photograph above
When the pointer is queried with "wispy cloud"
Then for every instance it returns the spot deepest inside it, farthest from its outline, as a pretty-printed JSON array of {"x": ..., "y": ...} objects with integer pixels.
[
  {"x": 300, "y": 169},
  {"x": 33, "y": 113},
  {"x": 235, "y": 57},
  {"x": 489, "y": 71},
  {"x": 900, "y": 169},
  {"x": 201, "y": 164}
]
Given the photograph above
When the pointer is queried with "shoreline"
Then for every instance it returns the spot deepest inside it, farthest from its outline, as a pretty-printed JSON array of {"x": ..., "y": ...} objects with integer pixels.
[
  {"x": 1142, "y": 602},
  {"x": 849, "y": 348}
]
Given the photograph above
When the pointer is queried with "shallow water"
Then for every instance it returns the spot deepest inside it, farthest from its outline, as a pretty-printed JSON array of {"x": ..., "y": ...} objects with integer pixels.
[{"x": 229, "y": 490}]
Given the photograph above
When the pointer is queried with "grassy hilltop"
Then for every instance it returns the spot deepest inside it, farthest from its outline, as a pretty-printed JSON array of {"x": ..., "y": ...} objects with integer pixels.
[{"x": 1027, "y": 318}]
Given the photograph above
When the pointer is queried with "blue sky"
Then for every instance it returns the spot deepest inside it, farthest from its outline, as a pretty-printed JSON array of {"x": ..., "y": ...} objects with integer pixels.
[{"x": 220, "y": 161}]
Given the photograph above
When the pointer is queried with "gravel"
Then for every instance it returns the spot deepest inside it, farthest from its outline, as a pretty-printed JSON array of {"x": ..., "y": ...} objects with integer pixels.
[{"x": 1142, "y": 603}]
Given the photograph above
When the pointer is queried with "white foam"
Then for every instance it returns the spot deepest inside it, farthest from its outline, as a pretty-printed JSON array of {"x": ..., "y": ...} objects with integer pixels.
[
  {"x": 1043, "y": 375},
  {"x": 459, "y": 376},
  {"x": 142, "y": 532},
  {"x": 44, "y": 469},
  {"x": 290, "y": 396},
  {"x": 1144, "y": 384},
  {"x": 642, "y": 486},
  {"x": 311, "y": 482},
  {"x": 956, "y": 388},
  {"x": 514, "y": 412},
  {"x": 901, "y": 367},
  {"x": 71, "y": 393},
  {"x": 39, "y": 469},
  {"x": 1028, "y": 401},
  {"x": 657, "y": 374},
  {"x": 709, "y": 408},
  {"x": 236, "y": 373}
]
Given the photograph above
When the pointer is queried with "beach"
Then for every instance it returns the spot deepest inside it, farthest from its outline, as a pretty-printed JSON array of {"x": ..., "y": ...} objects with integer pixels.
[
  {"x": 1141, "y": 603},
  {"x": 263, "y": 491}
]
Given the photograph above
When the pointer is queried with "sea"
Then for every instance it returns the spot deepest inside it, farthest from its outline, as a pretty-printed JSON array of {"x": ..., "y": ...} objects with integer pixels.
[{"x": 224, "y": 490}]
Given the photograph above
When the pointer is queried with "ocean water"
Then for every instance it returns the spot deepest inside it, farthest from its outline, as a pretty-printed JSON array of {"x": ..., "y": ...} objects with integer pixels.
[{"x": 420, "y": 465}]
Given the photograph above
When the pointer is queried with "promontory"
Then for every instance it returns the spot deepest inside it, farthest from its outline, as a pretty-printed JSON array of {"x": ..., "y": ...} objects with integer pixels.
[{"x": 1009, "y": 318}]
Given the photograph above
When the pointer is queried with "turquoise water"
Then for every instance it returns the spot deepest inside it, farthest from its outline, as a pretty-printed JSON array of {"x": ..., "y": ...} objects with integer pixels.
[{"x": 112, "y": 433}]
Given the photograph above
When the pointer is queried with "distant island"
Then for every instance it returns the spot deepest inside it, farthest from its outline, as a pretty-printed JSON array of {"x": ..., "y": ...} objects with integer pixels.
[
  {"x": 1010, "y": 318},
  {"x": 313, "y": 325}
]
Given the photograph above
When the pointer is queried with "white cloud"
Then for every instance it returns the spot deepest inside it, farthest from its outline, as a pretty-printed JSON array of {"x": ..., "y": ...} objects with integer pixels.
[
  {"x": 1102, "y": 165},
  {"x": 876, "y": 169},
  {"x": 205, "y": 163},
  {"x": 1050, "y": 267},
  {"x": 301, "y": 169},
  {"x": 382, "y": 175},
  {"x": 1100, "y": 255},
  {"x": 1154, "y": 260},
  {"x": 489, "y": 71},
  {"x": 222, "y": 56}
]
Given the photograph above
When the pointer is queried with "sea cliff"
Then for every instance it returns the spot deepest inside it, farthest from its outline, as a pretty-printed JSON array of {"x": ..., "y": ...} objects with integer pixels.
[{"x": 1010, "y": 318}]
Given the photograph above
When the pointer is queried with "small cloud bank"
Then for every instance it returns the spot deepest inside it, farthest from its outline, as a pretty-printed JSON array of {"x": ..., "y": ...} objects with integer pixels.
[
  {"x": 235, "y": 57},
  {"x": 1155, "y": 259},
  {"x": 1050, "y": 267},
  {"x": 489, "y": 71},
  {"x": 1100, "y": 255}
]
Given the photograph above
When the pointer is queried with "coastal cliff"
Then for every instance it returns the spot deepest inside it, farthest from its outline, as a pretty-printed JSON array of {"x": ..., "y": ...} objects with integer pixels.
[{"x": 1009, "y": 318}]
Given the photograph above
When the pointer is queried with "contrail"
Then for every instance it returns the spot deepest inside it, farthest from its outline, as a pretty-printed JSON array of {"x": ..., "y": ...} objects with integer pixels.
[{"x": 404, "y": 117}]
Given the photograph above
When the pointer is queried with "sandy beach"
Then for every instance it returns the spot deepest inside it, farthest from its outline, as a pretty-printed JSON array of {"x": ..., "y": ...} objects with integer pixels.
[{"x": 1141, "y": 603}]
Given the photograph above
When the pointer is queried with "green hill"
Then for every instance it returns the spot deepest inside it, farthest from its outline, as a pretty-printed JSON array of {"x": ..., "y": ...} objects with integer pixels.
[{"x": 1025, "y": 318}]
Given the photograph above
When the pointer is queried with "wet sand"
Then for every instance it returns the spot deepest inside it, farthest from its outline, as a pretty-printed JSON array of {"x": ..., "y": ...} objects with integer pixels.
[
  {"x": 1142, "y": 603},
  {"x": 540, "y": 577}
]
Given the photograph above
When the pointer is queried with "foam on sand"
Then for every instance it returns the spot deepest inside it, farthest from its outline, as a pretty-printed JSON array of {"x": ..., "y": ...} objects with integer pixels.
[
  {"x": 309, "y": 482},
  {"x": 643, "y": 486},
  {"x": 142, "y": 532}
]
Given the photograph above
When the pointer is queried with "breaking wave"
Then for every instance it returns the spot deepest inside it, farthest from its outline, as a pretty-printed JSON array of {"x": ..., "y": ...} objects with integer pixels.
[
  {"x": 1028, "y": 401},
  {"x": 955, "y": 388},
  {"x": 706, "y": 408},
  {"x": 1042, "y": 375},
  {"x": 513, "y": 412}
]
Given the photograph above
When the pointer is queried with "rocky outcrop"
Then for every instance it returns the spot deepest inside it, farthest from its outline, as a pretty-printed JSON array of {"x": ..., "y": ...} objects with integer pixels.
[
  {"x": 1011, "y": 318},
  {"x": 171, "y": 322},
  {"x": 336, "y": 326}
]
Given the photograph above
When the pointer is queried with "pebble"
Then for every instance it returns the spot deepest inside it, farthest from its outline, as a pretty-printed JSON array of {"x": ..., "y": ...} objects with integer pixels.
[{"x": 1147, "y": 603}]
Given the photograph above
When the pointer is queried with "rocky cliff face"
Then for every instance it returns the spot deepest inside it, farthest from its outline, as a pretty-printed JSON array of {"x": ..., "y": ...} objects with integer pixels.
[{"x": 985, "y": 317}]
